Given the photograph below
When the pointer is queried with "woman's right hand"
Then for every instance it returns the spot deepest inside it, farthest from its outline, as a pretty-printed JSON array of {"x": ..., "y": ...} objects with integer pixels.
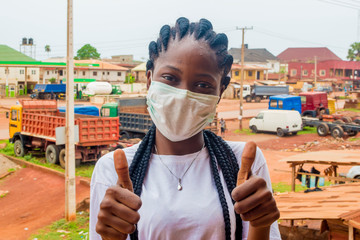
[{"x": 119, "y": 209}]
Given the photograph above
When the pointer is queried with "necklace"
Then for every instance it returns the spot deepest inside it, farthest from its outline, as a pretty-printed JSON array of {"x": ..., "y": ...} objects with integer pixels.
[{"x": 179, "y": 187}]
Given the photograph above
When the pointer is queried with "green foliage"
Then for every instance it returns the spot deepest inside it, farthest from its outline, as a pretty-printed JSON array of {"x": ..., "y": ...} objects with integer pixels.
[
  {"x": 354, "y": 52},
  {"x": 85, "y": 170},
  {"x": 52, "y": 80},
  {"x": 75, "y": 230},
  {"x": 307, "y": 130},
  {"x": 11, "y": 170},
  {"x": 353, "y": 139},
  {"x": 3, "y": 194},
  {"x": 284, "y": 187},
  {"x": 47, "y": 48},
  {"x": 129, "y": 78},
  {"x": 244, "y": 131},
  {"x": 87, "y": 52}
]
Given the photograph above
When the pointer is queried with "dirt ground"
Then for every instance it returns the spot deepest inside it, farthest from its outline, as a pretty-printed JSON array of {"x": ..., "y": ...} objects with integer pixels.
[{"x": 36, "y": 199}]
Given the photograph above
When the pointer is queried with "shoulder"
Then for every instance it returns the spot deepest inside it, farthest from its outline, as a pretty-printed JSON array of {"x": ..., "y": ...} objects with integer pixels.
[
  {"x": 238, "y": 148},
  {"x": 104, "y": 171}
]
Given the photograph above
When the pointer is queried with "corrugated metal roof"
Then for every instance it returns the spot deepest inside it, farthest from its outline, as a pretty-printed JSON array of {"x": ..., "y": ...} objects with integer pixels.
[
  {"x": 9, "y": 54},
  {"x": 307, "y": 54},
  {"x": 252, "y": 55}
]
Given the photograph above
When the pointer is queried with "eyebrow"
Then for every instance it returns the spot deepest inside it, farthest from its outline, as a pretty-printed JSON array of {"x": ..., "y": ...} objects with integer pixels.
[
  {"x": 174, "y": 68},
  {"x": 207, "y": 76}
]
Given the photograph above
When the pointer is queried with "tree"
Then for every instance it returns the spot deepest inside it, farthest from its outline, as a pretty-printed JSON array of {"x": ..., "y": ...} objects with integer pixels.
[
  {"x": 47, "y": 49},
  {"x": 87, "y": 52},
  {"x": 354, "y": 52},
  {"x": 129, "y": 78}
]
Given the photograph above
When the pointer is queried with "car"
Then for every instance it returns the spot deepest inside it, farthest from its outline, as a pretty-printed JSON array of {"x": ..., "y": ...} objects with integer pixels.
[
  {"x": 281, "y": 122},
  {"x": 354, "y": 172}
]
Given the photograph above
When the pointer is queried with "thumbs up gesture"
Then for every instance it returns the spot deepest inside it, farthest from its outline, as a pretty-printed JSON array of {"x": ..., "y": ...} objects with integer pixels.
[
  {"x": 118, "y": 212},
  {"x": 253, "y": 200}
]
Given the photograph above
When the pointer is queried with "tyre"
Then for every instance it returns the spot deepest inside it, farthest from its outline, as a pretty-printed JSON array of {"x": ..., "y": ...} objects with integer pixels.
[
  {"x": 280, "y": 132},
  {"x": 253, "y": 129},
  {"x": 52, "y": 154},
  {"x": 62, "y": 159},
  {"x": 125, "y": 135},
  {"x": 248, "y": 98},
  {"x": 352, "y": 133},
  {"x": 346, "y": 119},
  {"x": 337, "y": 132},
  {"x": 322, "y": 129},
  {"x": 357, "y": 121},
  {"x": 19, "y": 148},
  {"x": 257, "y": 99}
]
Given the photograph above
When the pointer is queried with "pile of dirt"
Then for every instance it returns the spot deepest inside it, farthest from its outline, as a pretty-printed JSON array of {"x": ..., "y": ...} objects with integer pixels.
[{"x": 327, "y": 144}]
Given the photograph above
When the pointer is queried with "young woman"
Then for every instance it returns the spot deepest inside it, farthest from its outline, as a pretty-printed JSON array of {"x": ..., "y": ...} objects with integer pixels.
[{"x": 184, "y": 178}]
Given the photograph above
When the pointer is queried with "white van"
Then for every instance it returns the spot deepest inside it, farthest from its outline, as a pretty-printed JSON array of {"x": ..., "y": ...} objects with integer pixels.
[{"x": 280, "y": 121}]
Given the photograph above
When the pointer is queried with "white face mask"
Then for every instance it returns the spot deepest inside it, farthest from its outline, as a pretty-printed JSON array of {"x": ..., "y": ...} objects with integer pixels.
[{"x": 179, "y": 114}]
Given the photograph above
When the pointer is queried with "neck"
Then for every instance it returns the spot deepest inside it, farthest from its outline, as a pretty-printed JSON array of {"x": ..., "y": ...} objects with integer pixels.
[{"x": 166, "y": 147}]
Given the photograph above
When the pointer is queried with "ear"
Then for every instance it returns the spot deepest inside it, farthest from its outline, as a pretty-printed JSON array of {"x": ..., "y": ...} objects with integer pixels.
[
  {"x": 148, "y": 77},
  {"x": 222, "y": 89}
]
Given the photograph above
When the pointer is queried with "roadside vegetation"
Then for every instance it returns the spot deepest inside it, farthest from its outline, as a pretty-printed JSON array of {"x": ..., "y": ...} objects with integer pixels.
[
  {"x": 349, "y": 110},
  {"x": 85, "y": 170},
  {"x": 246, "y": 131},
  {"x": 75, "y": 230},
  {"x": 281, "y": 187},
  {"x": 307, "y": 130}
]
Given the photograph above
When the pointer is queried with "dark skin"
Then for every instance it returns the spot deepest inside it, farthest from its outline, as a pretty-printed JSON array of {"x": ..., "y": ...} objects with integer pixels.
[{"x": 187, "y": 64}]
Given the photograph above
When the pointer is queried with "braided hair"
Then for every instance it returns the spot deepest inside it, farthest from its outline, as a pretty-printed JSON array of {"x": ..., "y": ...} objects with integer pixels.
[{"x": 219, "y": 151}]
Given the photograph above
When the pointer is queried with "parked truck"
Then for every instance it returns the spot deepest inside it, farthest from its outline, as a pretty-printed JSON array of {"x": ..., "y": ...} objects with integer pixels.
[
  {"x": 258, "y": 93},
  {"x": 310, "y": 104},
  {"x": 48, "y": 91},
  {"x": 38, "y": 125},
  {"x": 134, "y": 118}
]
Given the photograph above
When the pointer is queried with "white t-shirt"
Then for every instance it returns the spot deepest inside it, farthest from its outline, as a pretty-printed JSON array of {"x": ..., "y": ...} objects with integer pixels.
[{"x": 166, "y": 213}]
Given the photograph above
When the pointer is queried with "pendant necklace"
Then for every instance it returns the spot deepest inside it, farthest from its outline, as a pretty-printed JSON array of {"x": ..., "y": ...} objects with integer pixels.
[{"x": 179, "y": 187}]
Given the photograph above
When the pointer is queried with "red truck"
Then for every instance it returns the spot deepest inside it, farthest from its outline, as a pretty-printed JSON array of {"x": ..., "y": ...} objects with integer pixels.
[
  {"x": 314, "y": 104},
  {"x": 38, "y": 125}
]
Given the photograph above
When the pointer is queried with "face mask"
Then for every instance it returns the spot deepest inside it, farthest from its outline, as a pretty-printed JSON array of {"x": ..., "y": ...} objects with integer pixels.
[{"x": 179, "y": 114}]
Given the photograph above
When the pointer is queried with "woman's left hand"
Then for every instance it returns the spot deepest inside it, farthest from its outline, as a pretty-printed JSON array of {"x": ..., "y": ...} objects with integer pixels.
[{"x": 255, "y": 202}]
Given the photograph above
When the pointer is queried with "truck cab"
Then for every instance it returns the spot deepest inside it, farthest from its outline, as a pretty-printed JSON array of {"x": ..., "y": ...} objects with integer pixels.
[
  {"x": 15, "y": 120},
  {"x": 285, "y": 102},
  {"x": 314, "y": 103},
  {"x": 109, "y": 110}
]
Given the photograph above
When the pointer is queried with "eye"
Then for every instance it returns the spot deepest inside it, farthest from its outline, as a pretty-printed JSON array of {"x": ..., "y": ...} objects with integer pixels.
[
  {"x": 169, "y": 78},
  {"x": 204, "y": 85}
]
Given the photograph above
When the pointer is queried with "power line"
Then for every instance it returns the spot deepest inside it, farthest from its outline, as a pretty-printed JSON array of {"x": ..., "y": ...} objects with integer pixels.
[{"x": 346, "y": 5}]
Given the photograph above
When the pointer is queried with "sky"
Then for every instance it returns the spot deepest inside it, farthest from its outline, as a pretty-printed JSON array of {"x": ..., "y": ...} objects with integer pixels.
[{"x": 118, "y": 27}]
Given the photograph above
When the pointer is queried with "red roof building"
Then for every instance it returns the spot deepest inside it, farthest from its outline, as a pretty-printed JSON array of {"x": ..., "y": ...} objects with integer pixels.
[{"x": 307, "y": 55}]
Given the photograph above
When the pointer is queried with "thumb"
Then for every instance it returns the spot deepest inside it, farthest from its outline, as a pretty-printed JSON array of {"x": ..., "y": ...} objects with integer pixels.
[
  {"x": 122, "y": 170},
  {"x": 247, "y": 159}
]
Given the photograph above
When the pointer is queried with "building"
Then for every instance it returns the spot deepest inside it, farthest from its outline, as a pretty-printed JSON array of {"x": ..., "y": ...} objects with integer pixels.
[
  {"x": 306, "y": 54},
  {"x": 139, "y": 72},
  {"x": 17, "y": 79},
  {"x": 86, "y": 69},
  {"x": 341, "y": 73},
  {"x": 257, "y": 56},
  {"x": 126, "y": 61},
  {"x": 251, "y": 73}
]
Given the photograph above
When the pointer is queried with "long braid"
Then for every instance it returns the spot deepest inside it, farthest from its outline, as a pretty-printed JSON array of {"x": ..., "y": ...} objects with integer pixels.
[{"x": 220, "y": 153}]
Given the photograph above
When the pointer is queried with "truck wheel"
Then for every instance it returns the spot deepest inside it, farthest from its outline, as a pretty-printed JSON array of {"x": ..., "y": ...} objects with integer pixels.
[
  {"x": 346, "y": 119},
  {"x": 124, "y": 135},
  {"x": 257, "y": 99},
  {"x": 337, "y": 132},
  {"x": 280, "y": 132},
  {"x": 248, "y": 98},
  {"x": 323, "y": 129},
  {"x": 62, "y": 158},
  {"x": 19, "y": 148},
  {"x": 357, "y": 121},
  {"x": 352, "y": 133},
  {"x": 52, "y": 154},
  {"x": 254, "y": 129}
]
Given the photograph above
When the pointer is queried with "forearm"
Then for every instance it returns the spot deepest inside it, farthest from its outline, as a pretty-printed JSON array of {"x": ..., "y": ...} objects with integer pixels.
[{"x": 258, "y": 233}]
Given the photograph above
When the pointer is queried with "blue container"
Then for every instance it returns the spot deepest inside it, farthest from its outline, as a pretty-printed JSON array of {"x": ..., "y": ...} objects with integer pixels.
[
  {"x": 83, "y": 110},
  {"x": 285, "y": 102},
  {"x": 48, "y": 88}
]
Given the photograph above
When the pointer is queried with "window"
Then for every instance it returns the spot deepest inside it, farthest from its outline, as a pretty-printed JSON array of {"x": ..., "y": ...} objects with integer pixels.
[
  {"x": 6, "y": 71},
  {"x": 303, "y": 99},
  {"x": 47, "y": 72},
  {"x": 33, "y": 72},
  {"x": 119, "y": 74},
  {"x": 293, "y": 72},
  {"x": 83, "y": 73},
  {"x": 105, "y": 112},
  {"x": 108, "y": 73},
  {"x": 272, "y": 65},
  {"x": 260, "y": 116},
  {"x": 22, "y": 71},
  {"x": 280, "y": 104},
  {"x": 250, "y": 73},
  {"x": 305, "y": 72},
  {"x": 74, "y": 72},
  {"x": 94, "y": 73},
  {"x": 61, "y": 72},
  {"x": 322, "y": 72},
  {"x": 273, "y": 103},
  {"x": 103, "y": 73},
  {"x": 14, "y": 115},
  {"x": 236, "y": 73}
]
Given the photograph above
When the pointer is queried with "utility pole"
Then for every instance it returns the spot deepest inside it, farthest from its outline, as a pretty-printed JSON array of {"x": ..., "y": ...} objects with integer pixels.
[
  {"x": 242, "y": 73},
  {"x": 315, "y": 72},
  {"x": 70, "y": 183}
]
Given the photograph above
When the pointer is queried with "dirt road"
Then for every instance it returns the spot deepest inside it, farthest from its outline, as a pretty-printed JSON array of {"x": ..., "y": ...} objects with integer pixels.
[{"x": 35, "y": 199}]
